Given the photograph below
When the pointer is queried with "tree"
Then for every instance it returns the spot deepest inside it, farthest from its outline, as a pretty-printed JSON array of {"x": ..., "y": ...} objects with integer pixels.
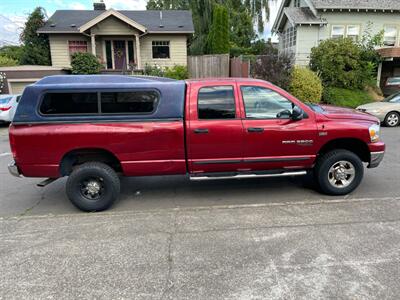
[
  {"x": 85, "y": 63},
  {"x": 218, "y": 38},
  {"x": 7, "y": 61},
  {"x": 167, "y": 4},
  {"x": 13, "y": 52},
  {"x": 257, "y": 8},
  {"x": 36, "y": 50}
]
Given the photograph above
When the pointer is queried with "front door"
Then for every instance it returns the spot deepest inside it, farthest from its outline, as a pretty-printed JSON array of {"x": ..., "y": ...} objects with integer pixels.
[
  {"x": 215, "y": 131},
  {"x": 272, "y": 139},
  {"x": 119, "y": 55}
]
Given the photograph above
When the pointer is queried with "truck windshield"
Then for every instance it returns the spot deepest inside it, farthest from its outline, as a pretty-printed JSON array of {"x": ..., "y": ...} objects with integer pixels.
[{"x": 315, "y": 107}]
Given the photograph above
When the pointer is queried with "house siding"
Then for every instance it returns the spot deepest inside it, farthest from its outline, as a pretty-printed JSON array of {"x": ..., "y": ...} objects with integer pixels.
[
  {"x": 310, "y": 36},
  {"x": 113, "y": 26},
  {"x": 178, "y": 50},
  {"x": 59, "y": 49}
]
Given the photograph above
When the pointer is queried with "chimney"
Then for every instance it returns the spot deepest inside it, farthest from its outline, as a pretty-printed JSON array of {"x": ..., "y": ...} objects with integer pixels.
[{"x": 99, "y": 5}]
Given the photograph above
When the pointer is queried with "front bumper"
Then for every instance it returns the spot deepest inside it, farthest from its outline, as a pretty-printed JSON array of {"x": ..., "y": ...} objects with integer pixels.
[
  {"x": 376, "y": 158},
  {"x": 13, "y": 169}
]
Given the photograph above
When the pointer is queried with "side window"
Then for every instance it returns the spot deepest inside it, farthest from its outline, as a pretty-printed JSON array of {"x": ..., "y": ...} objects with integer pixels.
[
  {"x": 139, "y": 102},
  {"x": 69, "y": 103},
  {"x": 263, "y": 103},
  {"x": 217, "y": 102}
]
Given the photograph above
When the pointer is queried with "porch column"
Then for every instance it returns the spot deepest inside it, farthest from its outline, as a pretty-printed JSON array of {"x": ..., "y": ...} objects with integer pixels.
[
  {"x": 138, "y": 56},
  {"x": 378, "y": 79},
  {"x": 93, "y": 42}
]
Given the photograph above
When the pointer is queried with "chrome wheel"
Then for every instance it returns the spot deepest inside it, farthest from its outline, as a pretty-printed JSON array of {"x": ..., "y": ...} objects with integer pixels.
[
  {"x": 392, "y": 119},
  {"x": 92, "y": 188},
  {"x": 341, "y": 174}
]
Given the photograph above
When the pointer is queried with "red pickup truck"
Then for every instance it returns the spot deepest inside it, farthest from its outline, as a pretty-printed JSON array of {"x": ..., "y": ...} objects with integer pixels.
[{"x": 95, "y": 128}]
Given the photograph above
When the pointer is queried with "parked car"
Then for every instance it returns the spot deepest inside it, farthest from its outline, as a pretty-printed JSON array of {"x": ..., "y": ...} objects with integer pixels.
[
  {"x": 8, "y": 106},
  {"x": 387, "y": 111},
  {"x": 94, "y": 128},
  {"x": 392, "y": 85}
]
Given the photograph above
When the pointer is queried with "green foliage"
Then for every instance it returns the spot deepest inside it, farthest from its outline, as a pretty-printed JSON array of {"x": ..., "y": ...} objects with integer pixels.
[
  {"x": 85, "y": 63},
  {"x": 153, "y": 70},
  {"x": 346, "y": 97},
  {"x": 36, "y": 49},
  {"x": 167, "y": 4},
  {"x": 13, "y": 52},
  {"x": 177, "y": 72},
  {"x": 7, "y": 62},
  {"x": 305, "y": 85},
  {"x": 218, "y": 38},
  {"x": 341, "y": 63}
]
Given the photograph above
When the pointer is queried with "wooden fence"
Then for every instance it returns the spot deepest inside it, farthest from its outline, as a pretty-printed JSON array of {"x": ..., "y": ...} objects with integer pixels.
[{"x": 201, "y": 66}]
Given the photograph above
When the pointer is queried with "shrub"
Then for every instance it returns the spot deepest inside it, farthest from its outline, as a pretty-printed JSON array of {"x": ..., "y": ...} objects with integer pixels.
[
  {"x": 85, "y": 63},
  {"x": 346, "y": 97},
  {"x": 273, "y": 67},
  {"x": 305, "y": 85},
  {"x": 342, "y": 63},
  {"x": 177, "y": 72},
  {"x": 7, "y": 61},
  {"x": 154, "y": 70}
]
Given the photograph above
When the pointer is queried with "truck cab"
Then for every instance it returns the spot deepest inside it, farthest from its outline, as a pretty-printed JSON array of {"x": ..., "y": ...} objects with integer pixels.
[{"x": 94, "y": 129}]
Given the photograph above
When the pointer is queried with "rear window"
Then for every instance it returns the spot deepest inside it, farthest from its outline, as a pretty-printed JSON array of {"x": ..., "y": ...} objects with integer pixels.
[
  {"x": 135, "y": 102},
  {"x": 141, "y": 102},
  {"x": 69, "y": 103},
  {"x": 393, "y": 81},
  {"x": 5, "y": 100},
  {"x": 217, "y": 102}
]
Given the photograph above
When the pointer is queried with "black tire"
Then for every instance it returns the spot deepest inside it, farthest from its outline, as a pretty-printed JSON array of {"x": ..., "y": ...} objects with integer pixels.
[
  {"x": 390, "y": 119},
  {"x": 334, "y": 158},
  {"x": 102, "y": 177}
]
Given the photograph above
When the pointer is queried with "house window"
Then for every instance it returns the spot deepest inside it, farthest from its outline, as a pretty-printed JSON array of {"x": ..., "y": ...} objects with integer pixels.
[
  {"x": 353, "y": 32},
  {"x": 337, "y": 31},
  {"x": 161, "y": 49},
  {"x": 77, "y": 46},
  {"x": 296, "y": 3},
  {"x": 390, "y": 36},
  {"x": 109, "y": 57},
  {"x": 131, "y": 56},
  {"x": 289, "y": 37}
]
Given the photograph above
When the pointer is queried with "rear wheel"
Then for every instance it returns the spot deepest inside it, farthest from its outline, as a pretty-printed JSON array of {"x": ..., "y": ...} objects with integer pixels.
[
  {"x": 93, "y": 186},
  {"x": 339, "y": 172},
  {"x": 392, "y": 119}
]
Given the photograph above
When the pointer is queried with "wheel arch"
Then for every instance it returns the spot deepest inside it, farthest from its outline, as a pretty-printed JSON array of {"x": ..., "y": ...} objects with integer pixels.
[
  {"x": 79, "y": 156},
  {"x": 357, "y": 146}
]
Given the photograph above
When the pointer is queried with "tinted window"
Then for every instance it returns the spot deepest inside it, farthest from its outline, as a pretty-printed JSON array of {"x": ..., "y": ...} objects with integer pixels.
[
  {"x": 262, "y": 103},
  {"x": 216, "y": 102},
  {"x": 140, "y": 102},
  {"x": 69, "y": 103}
]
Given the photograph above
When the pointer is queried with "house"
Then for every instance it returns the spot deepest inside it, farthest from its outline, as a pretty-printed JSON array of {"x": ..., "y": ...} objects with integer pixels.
[
  {"x": 120, "y": 39},
  {"x": 303, "y": 24}
]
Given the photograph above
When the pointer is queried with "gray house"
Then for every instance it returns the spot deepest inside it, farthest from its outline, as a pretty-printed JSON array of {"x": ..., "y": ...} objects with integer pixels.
[{"x": 302, "y": 24}]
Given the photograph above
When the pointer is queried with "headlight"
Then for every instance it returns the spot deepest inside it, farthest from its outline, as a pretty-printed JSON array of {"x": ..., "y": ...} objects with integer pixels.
[{"x": 374, "y": 131}]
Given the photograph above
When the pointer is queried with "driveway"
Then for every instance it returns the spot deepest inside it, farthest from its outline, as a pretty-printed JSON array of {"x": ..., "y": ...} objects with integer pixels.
[{"x": 168, "y": 238}]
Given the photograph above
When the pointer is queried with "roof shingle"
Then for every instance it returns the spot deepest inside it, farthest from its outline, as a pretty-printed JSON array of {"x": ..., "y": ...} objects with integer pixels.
[
  {"x": 357, "y": 4},
  {"x": 302, "y": 15},
  {"x": 172, "y": 20}
]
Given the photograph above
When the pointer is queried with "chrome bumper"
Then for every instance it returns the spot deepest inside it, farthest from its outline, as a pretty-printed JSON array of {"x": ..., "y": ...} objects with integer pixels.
[
  {"x": 376, "y": 158},
  {"x": 13, "y": 169}
]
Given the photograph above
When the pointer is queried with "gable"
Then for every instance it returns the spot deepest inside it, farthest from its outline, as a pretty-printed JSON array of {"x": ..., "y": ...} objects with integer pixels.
[{"x": 112, "y": 25}]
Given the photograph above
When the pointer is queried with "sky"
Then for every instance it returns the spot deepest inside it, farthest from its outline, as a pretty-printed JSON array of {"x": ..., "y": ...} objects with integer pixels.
[{"x": 13, "y": 13}]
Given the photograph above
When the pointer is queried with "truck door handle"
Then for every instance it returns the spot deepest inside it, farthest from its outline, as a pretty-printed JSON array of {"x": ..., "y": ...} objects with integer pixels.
[
  {"x": 255, "y": 129},
  {"x": 201, "y": 130}
]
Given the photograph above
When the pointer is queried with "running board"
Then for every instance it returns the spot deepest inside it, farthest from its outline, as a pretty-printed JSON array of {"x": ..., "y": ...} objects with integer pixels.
[
  {"x": 46, "y": 182},
  {"x": 247, "y": 176}
]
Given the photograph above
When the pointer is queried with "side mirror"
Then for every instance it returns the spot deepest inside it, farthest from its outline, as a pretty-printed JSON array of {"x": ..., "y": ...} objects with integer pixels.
[
  {"x": 284, "y": 114},
  {"x": 297, "y": 114}
]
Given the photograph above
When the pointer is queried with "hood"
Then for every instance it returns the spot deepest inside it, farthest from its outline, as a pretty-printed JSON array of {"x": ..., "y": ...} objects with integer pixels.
[
  {"x": 334, "y": 112},
  {"x": 376, "y": 105}
]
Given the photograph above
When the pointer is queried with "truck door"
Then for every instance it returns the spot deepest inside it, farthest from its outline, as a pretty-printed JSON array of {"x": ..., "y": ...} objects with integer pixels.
[
  {"x": 214, "y": 131},
  {"x": 272, "y": 139}
]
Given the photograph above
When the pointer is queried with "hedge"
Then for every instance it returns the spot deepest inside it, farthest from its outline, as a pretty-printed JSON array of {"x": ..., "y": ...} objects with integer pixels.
[
  {"x": 305, "y": 85},
  {"x": 346, "y": 97}
]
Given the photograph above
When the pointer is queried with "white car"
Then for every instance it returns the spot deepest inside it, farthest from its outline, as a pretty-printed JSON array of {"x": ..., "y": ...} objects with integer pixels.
[
  {"x": 387, "y": 111},
  {"x": 8, "y": 106}
]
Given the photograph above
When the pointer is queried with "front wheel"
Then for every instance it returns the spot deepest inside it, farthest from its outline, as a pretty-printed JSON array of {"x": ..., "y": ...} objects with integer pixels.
[
  {"x": 339, "y": 172},
  {"x": 93, "y": 186},
  {"x": 392, "y": 119}
]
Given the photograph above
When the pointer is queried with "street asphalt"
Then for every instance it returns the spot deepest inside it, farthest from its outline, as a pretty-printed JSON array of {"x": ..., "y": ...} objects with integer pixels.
[{"x": 168, "y": 238}]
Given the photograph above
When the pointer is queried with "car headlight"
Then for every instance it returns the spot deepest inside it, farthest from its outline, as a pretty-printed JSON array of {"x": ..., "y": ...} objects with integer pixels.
[{"x": 374, "y": 131}]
